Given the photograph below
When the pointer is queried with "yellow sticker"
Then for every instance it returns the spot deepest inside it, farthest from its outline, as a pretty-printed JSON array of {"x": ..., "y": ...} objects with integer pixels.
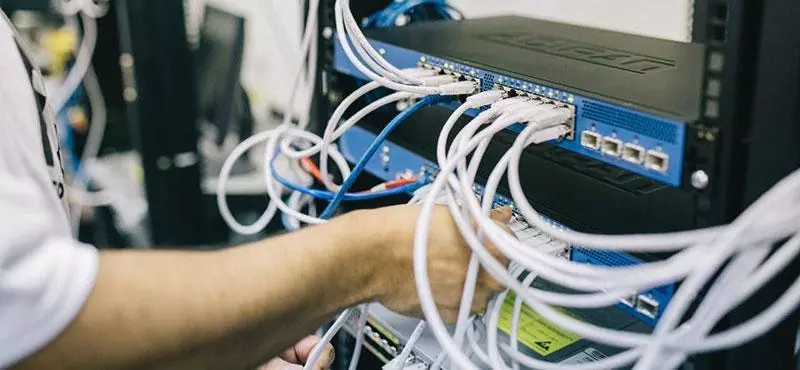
[{"x": 535, "y": 331}]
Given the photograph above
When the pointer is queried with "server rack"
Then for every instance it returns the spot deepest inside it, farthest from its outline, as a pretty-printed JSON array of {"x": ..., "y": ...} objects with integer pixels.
[
  {"x": 746, "y": 140},
  {"x": 160, "y": 93}
]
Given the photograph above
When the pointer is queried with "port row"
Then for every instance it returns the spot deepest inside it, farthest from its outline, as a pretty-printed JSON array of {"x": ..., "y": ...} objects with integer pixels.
[
  {"x": 570, "y": 123},
  {"x": 644, "y": 304},
  {"x": 655, "y": 160}
]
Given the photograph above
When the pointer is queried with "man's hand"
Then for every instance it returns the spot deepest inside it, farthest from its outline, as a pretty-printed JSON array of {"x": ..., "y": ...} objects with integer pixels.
[
  {"x": 230, "y": 309},
  {"x": 448, "y": 260},
  {"x": 294, "y": 358}
]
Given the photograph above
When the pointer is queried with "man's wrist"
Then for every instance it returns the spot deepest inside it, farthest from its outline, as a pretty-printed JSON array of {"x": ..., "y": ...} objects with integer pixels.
[{"x": 361, "y": 247}]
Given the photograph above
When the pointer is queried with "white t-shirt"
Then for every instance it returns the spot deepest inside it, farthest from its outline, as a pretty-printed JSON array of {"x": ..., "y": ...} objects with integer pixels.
[{"x": 45, "y": 275}]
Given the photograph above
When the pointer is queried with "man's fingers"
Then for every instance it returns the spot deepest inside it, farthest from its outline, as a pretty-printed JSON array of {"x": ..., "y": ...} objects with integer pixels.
[
  {"x": 449, "y": 316},
  {"x": 304, "y": 348},
  {"x": 491, "y": 284},
  {"x": 502, "y": 258},
  {"x": 502, "y": 214}
]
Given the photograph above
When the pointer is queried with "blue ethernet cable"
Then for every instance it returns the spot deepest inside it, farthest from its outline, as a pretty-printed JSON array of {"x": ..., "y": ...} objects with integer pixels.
[
  {"x": 388, "y": 16},
  {"x": 373, "y": 148},
  {"x": 407, "y": 6},
  {"x": 354, "y": 197}
]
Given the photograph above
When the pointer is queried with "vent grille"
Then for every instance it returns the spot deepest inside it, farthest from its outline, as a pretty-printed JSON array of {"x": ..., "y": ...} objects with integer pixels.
[{"x": 634, "y": 122}]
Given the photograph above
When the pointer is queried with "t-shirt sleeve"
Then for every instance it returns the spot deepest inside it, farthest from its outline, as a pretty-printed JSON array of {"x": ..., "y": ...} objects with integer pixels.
[
  {"x": 44, "y": 278},
  {"x": 45, "y": 275}
]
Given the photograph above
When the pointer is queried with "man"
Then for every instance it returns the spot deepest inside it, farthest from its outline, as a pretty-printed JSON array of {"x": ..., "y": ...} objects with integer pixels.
[{"x": 64, "y": 305}]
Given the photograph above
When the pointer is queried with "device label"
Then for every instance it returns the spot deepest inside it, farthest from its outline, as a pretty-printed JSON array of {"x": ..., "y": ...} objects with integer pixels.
[
  {"x": 588, "y": 355},
  {"x": 596, "y": 54},
  {"x": 535, "y": 332}
]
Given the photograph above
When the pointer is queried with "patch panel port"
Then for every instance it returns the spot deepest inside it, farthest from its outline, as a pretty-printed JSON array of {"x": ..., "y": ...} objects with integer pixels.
[
  {"x": 647, "y": 306},
  {"x": 591, "y": 140},
  {"x": 657, "y": 161},
  {"x": 611, "y": 146},
  {"x": 633, "y": 153}
]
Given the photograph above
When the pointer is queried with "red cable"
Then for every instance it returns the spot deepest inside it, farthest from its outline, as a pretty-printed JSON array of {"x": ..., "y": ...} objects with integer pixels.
[{"x": 314, "y": 170}]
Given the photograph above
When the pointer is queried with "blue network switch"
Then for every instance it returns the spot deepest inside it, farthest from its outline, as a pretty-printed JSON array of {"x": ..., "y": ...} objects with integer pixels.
[
  {"x": 394, "y": 160},
  {"x": 640, "y": 142}
]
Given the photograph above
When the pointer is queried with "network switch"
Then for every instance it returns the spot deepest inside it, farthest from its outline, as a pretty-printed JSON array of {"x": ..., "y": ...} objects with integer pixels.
[
  {"x": 632, "y": 89},
  {"x": 644, "y": 306}
]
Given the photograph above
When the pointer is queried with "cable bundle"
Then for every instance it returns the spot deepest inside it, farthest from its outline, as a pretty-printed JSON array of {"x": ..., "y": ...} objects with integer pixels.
[
  {"x": 294, "y": 142},
  {"x": 743, "y": 245},
  {"x": 739, "y": 252}
]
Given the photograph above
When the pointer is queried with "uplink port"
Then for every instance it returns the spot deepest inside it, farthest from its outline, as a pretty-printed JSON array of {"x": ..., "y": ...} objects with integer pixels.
[
  {"x": 657, "y": 161},
  {"x": 633, "y": 153},
  {"x": 591, "y": 140},
  {"x": 647, "y": 305},
  {"x": 612, "y": 146}
]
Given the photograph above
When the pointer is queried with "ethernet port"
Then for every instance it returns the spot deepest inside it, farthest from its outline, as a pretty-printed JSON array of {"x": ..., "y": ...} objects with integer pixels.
[
  {"x": 657, "y": 161},
  {"x": 591, "y": 140},
  {"x": 629, "y": 301},
  {"x": 633, "y": 153},
  {"x": 647, "y": 305},
  {"x": 612, "y": 146}
]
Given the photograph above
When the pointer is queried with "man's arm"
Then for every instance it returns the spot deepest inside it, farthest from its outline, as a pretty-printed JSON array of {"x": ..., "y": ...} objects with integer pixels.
[{"x": 236, "y": 308}]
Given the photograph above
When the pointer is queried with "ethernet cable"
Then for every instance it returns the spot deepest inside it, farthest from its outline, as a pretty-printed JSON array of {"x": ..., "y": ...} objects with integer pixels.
[
  {"x": 297, "y": 200},
  {"x": 398, "y": 9},
  {"x": 316, "y": 353},
  {"x": 269, "y": 175},
  {"x": 368, "y": 53},
  {"x": 79, "y": 196},
  {"x": 386, "y": 82},
  {"x": 341, "y": 109},
  {"x": 399, "y": 362},
  {"x": 359, "y": 345},
  {"x": 326, "y": 195},
  {"x": 465, "y": 86},
  {"x": 492, "y": 98},
  {"x": 515, "y": 317},
  {"x": 693, "y": 246},
  {"x": 421, "y": 267},
  {"x": 92, "y": 8},
  {"x": 83, "y": 60},
  {"x": 373, "y": 148},
  {"x": 332, "y": 132},
  {"x": 308, "y": 50},
  {"x": 281, "y": 37}
]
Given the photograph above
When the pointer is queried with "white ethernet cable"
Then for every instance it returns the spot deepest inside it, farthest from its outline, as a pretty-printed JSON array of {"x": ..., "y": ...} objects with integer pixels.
[
  {"x": 399, "y": 362},
  {"x": 332, "y": 133},
  {"x": 420, "y": 257},
  {"x": 83, "y": 60},
  {"x": 418, "y": 265},
  {"x": 386, "y": 82},
  {"x": 602, "y": 285},
  {"x": 92, "y": 8},
  {"x": 363, "y": 313},
  {"x": 308, "y": 50},
  {"x": 274, "y": 136},
  {"x": 79, "y": 197},
  {"x": 373, "y": 59}
]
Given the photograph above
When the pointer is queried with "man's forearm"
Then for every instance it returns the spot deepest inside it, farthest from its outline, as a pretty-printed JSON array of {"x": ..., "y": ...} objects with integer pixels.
[{"x": 228, "y": 309}]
